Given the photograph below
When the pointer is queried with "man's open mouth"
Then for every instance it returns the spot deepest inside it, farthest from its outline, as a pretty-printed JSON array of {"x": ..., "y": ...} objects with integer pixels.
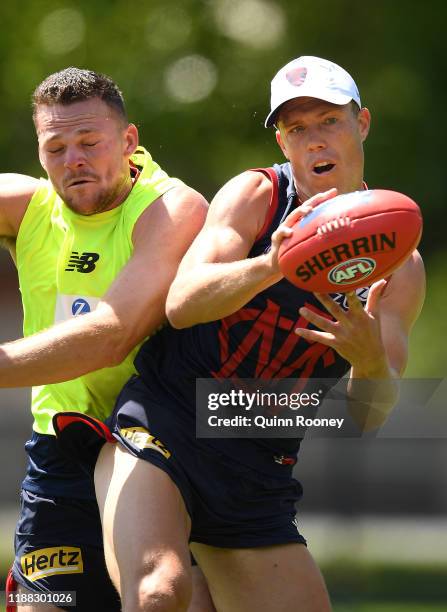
[{"x": 322, "y": 168}]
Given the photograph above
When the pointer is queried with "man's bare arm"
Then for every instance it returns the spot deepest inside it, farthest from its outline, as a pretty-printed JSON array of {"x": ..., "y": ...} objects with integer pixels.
[
  {"x": 16, "y": 191},
  {"x": 399, "y": 307},
  {"x": 133, "y": 307},
  {"x": 215, "y": 279}
]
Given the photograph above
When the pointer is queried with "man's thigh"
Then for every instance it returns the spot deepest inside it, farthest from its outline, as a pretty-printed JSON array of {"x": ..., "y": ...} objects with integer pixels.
[
  {"x": 279, "y": 578},
  {"x": 146, "y": 527},
  {"x": 59, "y": 549},
  {"x": 145, "y": 522}
]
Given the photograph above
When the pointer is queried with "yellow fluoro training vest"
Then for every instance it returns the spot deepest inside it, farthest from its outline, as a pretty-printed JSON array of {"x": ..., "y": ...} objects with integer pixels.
[{"x": 66, "y": 263}]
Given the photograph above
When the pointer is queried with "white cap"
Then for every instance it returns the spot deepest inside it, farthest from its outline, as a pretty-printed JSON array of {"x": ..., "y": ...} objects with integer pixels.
[{"x": 312, "y": 77}]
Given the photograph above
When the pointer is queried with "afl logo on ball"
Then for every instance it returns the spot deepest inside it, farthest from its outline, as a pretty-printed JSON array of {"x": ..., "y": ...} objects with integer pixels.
[
  {"x": 352, "y": 271},
  {"x": 80, "y": 307}
]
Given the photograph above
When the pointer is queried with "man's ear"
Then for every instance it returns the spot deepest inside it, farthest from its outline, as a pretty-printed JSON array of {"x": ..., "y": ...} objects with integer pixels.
[
  {"x": 280, "y": 143},
  {"x": 364, "y": 119},
  {"x": 131, "y": 139}
]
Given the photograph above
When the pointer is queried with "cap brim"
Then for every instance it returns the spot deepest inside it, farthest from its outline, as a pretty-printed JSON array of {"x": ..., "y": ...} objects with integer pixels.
[{"x": 339, "y": 99}]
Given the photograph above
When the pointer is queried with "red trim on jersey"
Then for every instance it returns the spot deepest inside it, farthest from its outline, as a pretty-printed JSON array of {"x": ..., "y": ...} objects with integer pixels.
[
  {"x": 285, "y": 460},
  {"x": 64, "y": 419},
  {"x": 10, "y": 587},
  {"x": 134, "y": 172},
  {"x": 273, "y": 206}
]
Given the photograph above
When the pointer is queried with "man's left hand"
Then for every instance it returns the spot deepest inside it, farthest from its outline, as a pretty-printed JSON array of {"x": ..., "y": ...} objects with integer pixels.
[{"x": 354, "y": 333}]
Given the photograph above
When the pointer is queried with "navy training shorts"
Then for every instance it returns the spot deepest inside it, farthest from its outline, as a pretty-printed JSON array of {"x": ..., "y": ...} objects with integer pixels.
[
  {"x": 58, "y": 547},
  {"x": 230, "y": 504}
]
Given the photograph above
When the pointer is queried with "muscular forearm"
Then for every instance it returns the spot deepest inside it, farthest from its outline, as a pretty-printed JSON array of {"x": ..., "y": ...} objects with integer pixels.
[
  {"x": 372, "y": 395},
  {"x": 215, "y": 290},
  {"x": 63, "y": 352}
]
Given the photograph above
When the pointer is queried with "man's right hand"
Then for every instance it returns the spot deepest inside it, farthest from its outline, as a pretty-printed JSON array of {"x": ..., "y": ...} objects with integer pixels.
[{"x": 284, "y": 230}]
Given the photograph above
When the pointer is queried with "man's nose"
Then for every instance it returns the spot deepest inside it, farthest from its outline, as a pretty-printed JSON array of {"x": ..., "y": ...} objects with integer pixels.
[
  {"x": 315, "y": 139},
  {"x": 74, "y": 158}
]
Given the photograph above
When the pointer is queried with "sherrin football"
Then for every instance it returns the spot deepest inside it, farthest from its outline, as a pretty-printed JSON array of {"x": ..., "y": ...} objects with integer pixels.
[{"x": 351, "y": 241}]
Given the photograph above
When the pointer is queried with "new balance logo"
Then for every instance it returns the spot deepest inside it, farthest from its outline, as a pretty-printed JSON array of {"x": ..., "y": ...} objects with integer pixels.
[{"x": 83, "y": 263}]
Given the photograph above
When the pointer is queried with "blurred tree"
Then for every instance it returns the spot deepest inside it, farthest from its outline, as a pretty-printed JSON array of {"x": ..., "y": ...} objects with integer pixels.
[{"x": 196, "y": 77}]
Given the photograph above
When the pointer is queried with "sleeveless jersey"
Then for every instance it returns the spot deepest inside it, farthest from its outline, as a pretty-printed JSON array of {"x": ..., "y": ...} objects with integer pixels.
[
  {"x": 66, "y": 262},
  {"x": 257, "y": 341}
]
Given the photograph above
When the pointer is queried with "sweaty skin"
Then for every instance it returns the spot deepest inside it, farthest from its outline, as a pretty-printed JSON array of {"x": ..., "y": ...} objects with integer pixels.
[
  {"x": 324, "y": 143},
  {"x": 214, "y": 279},
  {"x": 84, "y": 147}
]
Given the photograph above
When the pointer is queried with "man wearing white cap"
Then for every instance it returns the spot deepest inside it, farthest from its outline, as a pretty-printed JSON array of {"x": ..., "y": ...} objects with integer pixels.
[
  {"x": 306, "y": 88},
  {"x": 234, "y": 316},
  {"x": 315, "y": 78}
]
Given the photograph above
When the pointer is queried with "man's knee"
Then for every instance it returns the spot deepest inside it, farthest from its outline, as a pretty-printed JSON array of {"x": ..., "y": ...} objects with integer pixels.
[{"x": 164, "y": 586}]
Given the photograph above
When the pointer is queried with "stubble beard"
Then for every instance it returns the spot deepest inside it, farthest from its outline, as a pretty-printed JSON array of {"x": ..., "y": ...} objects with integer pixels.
[{"x": 103, "y": 200}]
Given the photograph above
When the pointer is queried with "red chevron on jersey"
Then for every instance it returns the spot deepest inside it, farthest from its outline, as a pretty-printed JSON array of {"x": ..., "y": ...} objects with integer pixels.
[{"x": 277, "y": 355}]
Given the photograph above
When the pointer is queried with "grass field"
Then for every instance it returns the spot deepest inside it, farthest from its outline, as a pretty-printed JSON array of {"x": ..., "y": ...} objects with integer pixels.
[
  {"x": 389, "y": 607},
  {"x": 381, "y": 588},
  {"x": 372, "y": 607},
  {"x": 355, "y": 584},
  {"x": 375, "y": 587}
]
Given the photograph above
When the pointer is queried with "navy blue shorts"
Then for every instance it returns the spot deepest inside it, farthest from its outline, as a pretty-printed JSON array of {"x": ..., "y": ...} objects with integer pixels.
[
  {"x": 231, "y": 505},
  {"x": 58, "y": 547}
]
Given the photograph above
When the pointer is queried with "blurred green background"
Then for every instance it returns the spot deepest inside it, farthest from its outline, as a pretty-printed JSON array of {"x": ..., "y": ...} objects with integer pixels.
[{"x": 196, "y": 77}]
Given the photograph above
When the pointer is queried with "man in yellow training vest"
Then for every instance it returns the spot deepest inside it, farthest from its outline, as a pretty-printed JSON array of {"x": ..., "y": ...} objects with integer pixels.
[{"x": 97, "y": 245}]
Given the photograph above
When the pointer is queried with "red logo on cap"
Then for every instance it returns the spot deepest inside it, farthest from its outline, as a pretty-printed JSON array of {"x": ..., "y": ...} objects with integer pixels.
[{"x": 297, "y": 76}]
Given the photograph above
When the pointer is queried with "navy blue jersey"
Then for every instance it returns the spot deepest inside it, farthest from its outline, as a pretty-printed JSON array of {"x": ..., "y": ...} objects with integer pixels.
[
  {"x": 51, "y": 472},
  {"x": 257, "y": 341}
]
